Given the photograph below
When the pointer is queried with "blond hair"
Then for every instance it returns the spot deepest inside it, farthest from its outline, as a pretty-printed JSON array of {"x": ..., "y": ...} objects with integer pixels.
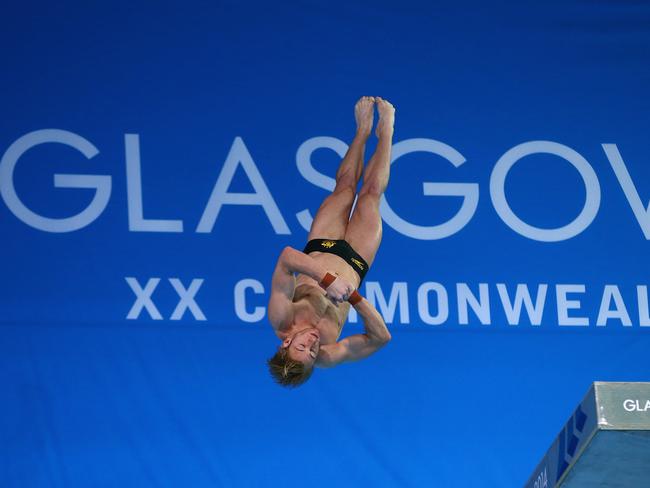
[{"x": 286, "y": 371}]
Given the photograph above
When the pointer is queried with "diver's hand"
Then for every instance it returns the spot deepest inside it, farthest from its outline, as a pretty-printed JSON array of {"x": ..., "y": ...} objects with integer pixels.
[{"x": 337, "y": 289}]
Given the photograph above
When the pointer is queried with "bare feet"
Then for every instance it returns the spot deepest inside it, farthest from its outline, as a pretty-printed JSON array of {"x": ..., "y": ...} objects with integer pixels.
[
  {"x": 386, "y": 118},
  {"x": 364, "y": 112}
]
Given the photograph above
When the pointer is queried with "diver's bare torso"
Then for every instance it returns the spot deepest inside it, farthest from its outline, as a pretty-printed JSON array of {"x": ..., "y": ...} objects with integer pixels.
[{"x": 312, "y": 308}]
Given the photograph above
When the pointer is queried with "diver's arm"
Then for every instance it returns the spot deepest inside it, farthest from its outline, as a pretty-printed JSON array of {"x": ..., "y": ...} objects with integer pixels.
[{"x": 358, "y": 346}]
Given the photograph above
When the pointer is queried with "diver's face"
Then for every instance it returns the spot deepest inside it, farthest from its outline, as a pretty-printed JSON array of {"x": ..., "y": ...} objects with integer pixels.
[{"x": 304, "y": 346}]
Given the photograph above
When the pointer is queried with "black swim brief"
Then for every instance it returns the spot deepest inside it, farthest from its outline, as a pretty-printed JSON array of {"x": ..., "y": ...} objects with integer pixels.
[{"x": 343, "y": 250}]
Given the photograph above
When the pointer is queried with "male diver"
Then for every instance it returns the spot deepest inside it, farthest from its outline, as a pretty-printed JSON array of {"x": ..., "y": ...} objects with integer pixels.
[{"x": 308, "y": 311}]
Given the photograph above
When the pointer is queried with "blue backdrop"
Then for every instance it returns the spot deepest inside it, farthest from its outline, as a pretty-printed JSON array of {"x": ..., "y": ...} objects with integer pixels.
[{"x": 157, "y": 157}]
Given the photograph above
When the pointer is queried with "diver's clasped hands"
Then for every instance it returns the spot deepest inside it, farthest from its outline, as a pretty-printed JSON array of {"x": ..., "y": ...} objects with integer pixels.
[{"x": 337, "y": 289}]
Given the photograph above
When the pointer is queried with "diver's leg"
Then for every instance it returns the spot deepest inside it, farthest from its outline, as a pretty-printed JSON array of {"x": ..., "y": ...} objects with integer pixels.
[
  {"x": 332, "y": 217},
  {"x": 365, "y": 228}
]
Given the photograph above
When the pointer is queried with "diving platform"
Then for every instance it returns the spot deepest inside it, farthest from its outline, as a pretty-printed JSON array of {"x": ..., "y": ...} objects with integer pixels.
[{"x": 605, "y": 443}]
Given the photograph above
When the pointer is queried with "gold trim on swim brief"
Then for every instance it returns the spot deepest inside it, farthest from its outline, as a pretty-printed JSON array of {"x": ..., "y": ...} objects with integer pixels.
[
  {"x": 357, "y": 262},
  {"x": 329, "y": 244}
]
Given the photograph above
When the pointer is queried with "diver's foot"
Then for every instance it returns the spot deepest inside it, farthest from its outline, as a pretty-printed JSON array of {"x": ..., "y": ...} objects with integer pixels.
[
  {"x": 364, "y": 112},
  {"x": 386, "y": 118}
]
